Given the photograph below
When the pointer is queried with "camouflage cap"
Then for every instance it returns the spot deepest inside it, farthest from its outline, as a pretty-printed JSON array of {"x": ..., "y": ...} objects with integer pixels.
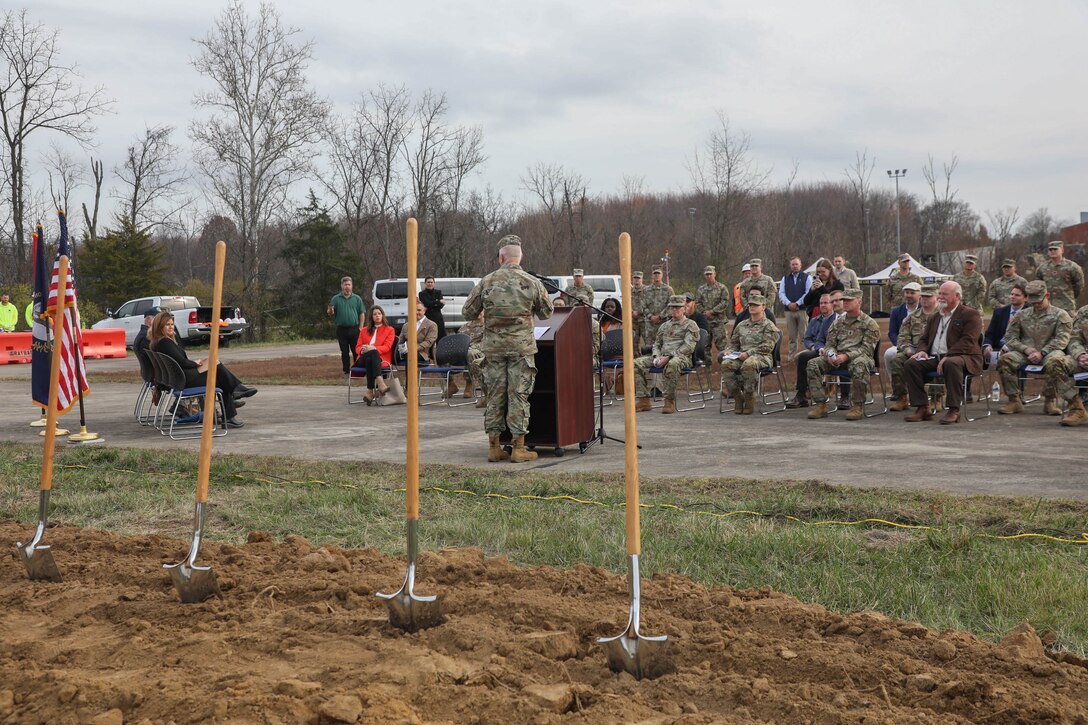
[
  {"x": 677, "y": 301},
  {"x": 637, "y": 275},
  {"x": 904, "y": 257},
  {"x": 1035, "y": 290},
  {"x": 578, "y": 273},
  {"x": 929, "y": 290},
  {"x": 852, "y": 294},
  {"x": 970, "y": 258},
  {"x": 913, "y": 286},
  {"x": 1056, "y": 244},
  {"x": 756, "y": 262},
  {"x": 709, "y": 269},
  {"x": 656, "y": 269},
  {"x": 510, "y": 240},
  {"x": 746, "y": 268},
  {"x": 755, "y": 297},
  {"x": 1009, "y": 263}
]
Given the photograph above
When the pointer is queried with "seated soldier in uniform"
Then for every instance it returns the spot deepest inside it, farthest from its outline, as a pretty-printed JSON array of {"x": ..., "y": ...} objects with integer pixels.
[
  {"x": 673, "y": 348},
  {"x": 851, "y": 342},
  {"x": 751, "y": 347},
  {"x": 909, "y": 336},
  {"x": 1037, "y": 335},
  {"x": 1076, "y": 362}
]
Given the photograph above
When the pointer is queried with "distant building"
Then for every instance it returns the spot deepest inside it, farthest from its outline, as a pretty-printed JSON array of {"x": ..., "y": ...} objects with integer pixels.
[{"x": 1078, "y": 233}]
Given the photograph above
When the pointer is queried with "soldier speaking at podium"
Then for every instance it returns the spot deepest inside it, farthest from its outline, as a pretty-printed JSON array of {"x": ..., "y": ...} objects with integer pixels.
[{"x": 509, "y": 299}]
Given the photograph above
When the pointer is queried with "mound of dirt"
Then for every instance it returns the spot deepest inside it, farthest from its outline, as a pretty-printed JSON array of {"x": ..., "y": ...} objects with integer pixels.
[{"x": 298, "y": 636}]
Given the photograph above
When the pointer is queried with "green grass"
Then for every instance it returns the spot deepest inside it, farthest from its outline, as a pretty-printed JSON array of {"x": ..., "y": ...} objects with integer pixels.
[{"x": 949, "y": 577}]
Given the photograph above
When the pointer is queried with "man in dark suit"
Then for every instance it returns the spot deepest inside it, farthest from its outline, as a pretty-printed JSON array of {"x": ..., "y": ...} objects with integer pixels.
[
  {"x": 950, "y": 346},
  {"x": 141, "y": 342},
  {"x": 994, "y": 339}
]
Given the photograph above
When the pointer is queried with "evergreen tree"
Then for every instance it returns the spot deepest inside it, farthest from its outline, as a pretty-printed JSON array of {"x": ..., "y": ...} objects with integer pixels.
[
  {"x": 120, "y": 265},
  {"x": 317, "y": 256}
]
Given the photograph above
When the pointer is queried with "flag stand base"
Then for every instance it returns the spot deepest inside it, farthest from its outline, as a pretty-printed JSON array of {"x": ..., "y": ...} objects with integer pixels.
[
  {"x": 57, "y": 431},
  {"x": 39, "y": 423},
  {"x": 84, "y": 437}
]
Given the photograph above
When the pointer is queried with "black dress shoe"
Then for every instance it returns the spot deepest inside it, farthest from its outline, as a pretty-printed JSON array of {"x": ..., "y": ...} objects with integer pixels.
[
  {"x": 798, "y": 403},
  {"x": 244, "y": 391},
  {"x": 239, "y": 403},
  {"x": 234, "y": 423}
]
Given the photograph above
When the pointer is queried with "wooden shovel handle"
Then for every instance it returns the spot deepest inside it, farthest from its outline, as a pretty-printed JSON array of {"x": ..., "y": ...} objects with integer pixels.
[
  {"x": 412, "y": 460},
  {"x": 209, "y": 391},
  {"x": 54, "y": 376},
  {"x": 630, "y": 433}
]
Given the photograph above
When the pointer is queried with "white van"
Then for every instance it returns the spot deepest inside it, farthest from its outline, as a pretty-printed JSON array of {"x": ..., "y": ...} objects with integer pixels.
[
  {"x": 392, "y": 296},
  {"x": 604, "y": 286}
]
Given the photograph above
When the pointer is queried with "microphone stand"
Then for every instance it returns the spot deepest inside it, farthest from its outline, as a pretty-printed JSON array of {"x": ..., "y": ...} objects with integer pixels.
[{"x": 600, "y": 436}]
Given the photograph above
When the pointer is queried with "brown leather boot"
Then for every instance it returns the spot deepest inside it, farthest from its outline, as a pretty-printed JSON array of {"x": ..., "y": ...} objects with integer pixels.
[
  {"x": 495, "y": 451},
  {"x": 1050, "y": 407},
  {"x": 923, "y": 413},
  {"x": 857, "y": 412},
  {"x": 382, "y": 387},
  {"x": 451, "y": 390},
  {"x": 481, "y": 403},
  {"x": 469, "y": 392},
  {"x": 670, "y": 406},
  {"x": 820, "y": 411},
  {"x": 643, "y": 404},
  {"x": 901, "y": 403},
  {"x": 1015, "y": 405},
  {"x": 521, "y": 454},
  {"x": 749, "y": 403},
  {"x": 1076, "y": 415}
]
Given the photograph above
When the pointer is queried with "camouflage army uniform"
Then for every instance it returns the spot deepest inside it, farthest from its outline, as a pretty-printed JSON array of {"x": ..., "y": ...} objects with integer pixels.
[
  {"x": 856, "y": 338},
  {"x": 475, "y": 331},
  {"x": 676, "y": 338},
  {"x": 582, "y": 292},
  {"x": 595, "y": 335},
  {"x": 1048, "y": 332},
  {"x": 758, "y": 340},
  {"x": 1001, "y": 287},
  {"x": 1078, "y": 345},
  {"x": 896, "y": 282},
  {"x": 718, "y": 299},
  {"x": 655, "y": 301},
  {"x": 764, "y": 284},
  {"x": 910, "y": 334},
  {"x": 1064, "y": 280},
  {"x": 636, "y": 312},
  {"x": 509, "y": 298},
  {"x": 974, "y": 288}
]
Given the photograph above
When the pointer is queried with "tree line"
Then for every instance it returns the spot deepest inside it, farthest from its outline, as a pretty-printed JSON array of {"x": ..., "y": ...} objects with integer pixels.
[{"x": 262, "y": 137}]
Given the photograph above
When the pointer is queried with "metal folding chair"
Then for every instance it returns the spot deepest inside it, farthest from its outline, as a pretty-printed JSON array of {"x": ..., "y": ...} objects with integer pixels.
[
  {"x": 766, "y": 399},
  {"x": 183, "y": 428},
  {"x": 144, "y": 410},
  {"x": 451, "y": 358},
  {"x": 698, "y": 367},
  {"x": 838, "y": 375},
  {"x": 359, "y": 373}
]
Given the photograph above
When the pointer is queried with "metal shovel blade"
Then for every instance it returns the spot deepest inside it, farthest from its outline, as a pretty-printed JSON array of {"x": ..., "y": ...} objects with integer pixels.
[
  {"x": 37, "y": 557},
  {"x": 408, "y": 610},
  {"x": 630, "y": 651},
  {"x": 194, "y": 583}
]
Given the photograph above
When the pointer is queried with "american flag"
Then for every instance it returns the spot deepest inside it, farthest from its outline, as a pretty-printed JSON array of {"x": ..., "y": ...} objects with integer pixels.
[{"x": 72, "y": 372}]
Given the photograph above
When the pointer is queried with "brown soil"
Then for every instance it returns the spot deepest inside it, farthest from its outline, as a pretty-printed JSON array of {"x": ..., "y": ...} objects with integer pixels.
[{"x": 298, "y": 636}]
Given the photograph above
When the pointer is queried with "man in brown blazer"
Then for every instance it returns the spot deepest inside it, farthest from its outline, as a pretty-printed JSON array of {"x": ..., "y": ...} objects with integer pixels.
[
  {"x": 426, "y": 335},
  {"x": 951, "y": 345}
]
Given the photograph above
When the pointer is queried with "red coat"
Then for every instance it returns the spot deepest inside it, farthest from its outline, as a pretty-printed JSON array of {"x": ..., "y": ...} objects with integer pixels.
[{"x": 383, "y": 341}]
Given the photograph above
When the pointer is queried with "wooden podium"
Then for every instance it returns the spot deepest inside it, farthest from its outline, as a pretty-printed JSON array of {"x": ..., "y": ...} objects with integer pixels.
[{"x": 561, "y": 404}]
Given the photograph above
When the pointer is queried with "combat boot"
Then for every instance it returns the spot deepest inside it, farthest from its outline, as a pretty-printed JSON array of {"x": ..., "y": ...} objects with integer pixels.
[
  {"x": 521, "y": 454},
  {"x": 495, "y": 451},
  {"x": 738, "y": 403},
  {"x": 1050, "y": 407},
  {"x": 643, "y": 404},
  {"x": 1076, "y": 413},
  {"x": 857, "y": 412},
  {"x": 451, "y": 390},
  {"x": 901, "y": 403},
  {"x": 469, "y": 392},
  {"x": 670, "y": 406},
  {"x": 1015, "y": 405},
  {"x": 820, "y": 411},
  {"x": 749, "y": 403},
  {"x": 481, "y": 403}
]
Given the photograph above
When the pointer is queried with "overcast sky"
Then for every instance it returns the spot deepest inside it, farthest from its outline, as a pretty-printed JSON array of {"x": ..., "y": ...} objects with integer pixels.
[{"x": 614, "y": 89}]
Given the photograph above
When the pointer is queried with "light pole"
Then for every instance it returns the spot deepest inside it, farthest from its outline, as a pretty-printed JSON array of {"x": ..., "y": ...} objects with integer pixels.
[
  {"x": 897, "y": 175},
  {"x": 691, "y": 215}
]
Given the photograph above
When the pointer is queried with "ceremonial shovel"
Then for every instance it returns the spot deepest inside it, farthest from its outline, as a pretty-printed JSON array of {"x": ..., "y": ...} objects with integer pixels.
[
  {"x": 196, "y": 583},
  {"x": 630, "y": 650},
  {"x": 39, "y": 559},
  {"x": 407, "y": 610}
]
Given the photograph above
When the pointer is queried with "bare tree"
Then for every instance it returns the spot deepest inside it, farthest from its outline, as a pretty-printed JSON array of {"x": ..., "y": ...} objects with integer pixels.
[
  {"x": 65, "y": 175},
  {"x": 942, "y": 210},
  {"x": 152, "y": 180},
  {"x": 91, "y": 218},
  {"x": 37, "y": 93},
  {"x": 264, "y": 120},
  {"x": 725, "y": 177},
  {"x": 859, "y": 176},
  {"x": 546, "y": 182},
  {"x": 387, "y": 116}
]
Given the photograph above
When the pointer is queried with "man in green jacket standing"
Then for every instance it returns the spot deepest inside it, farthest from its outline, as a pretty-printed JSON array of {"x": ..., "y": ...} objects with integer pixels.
[{"x": 349, "y": 314}]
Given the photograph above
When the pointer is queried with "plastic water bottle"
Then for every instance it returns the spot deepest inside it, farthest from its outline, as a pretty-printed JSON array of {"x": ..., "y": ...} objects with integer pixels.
[{"x": 995, "y": 393}]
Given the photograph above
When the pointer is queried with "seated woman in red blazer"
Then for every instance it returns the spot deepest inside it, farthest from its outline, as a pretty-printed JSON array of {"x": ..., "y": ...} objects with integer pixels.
[{"x": 374, "y": 351}]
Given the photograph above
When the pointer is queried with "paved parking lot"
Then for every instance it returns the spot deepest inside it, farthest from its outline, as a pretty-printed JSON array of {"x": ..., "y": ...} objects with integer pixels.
[{"x": 1026, "y": 454}]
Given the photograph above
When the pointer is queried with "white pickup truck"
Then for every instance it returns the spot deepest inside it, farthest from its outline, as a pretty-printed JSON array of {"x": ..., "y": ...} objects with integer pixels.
[{"x": 192, "y": 323}]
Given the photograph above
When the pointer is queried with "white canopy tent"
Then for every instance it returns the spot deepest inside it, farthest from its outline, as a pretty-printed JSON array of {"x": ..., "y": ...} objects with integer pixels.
[{"x": 880, "y": 279}]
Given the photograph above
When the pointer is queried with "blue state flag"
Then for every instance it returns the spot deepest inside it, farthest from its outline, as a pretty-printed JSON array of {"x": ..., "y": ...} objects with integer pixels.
[{"x": 42, "y": 344}]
